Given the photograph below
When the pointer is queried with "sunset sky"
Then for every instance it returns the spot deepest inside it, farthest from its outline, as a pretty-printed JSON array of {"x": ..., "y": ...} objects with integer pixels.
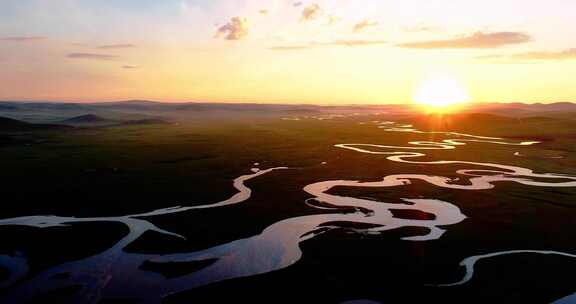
[{"x": 328, "y": 52}]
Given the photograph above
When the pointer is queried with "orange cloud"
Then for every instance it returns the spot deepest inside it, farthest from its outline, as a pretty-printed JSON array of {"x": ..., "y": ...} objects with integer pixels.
[
  {"x": 311, "y": 12},
  {"x": 236, "y": 29},
  {"x": 478, "y": 40}
]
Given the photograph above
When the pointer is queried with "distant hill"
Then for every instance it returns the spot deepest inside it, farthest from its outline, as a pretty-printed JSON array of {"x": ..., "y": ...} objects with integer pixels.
[
  {"x": 95, "y": 120},
  {"x": 151, "y": 106},
  {"x": 149, "y": 121},
  {"x": 104, "y": 113},
  {"x": 522, "y": 109},
  {"x": 5, "y": 107},
  {"x": 87, "y": 119},
  {"x": 9, "y": 124}
]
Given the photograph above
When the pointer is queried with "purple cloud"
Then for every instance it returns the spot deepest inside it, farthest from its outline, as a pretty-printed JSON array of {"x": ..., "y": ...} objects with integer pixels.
[
  {"x": 235, "y": 29},
  {"x": 92, "y": 56},
  {"x": 116, "y": 46},
  {"x": 23, "y": 38}
]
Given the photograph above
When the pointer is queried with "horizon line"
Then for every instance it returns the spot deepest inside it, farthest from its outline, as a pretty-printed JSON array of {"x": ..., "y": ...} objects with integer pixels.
[{"x": 268, "y": 103}]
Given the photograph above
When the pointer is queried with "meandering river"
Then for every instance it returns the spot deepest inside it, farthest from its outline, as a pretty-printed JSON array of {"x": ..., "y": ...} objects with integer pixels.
[{"x": 117, "y": 273}]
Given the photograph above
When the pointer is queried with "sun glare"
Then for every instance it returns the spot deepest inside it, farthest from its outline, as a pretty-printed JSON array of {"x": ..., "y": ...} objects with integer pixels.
[{"x": 441, "y": 93}]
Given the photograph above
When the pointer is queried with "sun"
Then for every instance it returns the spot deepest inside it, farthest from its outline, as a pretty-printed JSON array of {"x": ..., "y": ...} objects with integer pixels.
[{"x": 441, "y": 93}]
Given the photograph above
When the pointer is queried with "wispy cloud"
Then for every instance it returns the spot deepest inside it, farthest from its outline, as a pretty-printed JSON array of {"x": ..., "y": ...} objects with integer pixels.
[
  {"x": 421, "y": 28},
  {"x": 297, "y": 4},
  {"x": 235, "y": 29},
  {"x": 335, "y": 43},
  {"x": 364, "y": 24},
  {"x": 354, "y": 42},
  {"x": 92, "y": 56},
  {"x": 562, "y": 55},
  {"x": 569, "y": 54},
  {"x": 312, "y": 12},
  {"x": 130, "y": 67},
  {"x": 478, "y": 40},
  {"x": 116, "y": 46},
  {"x": 23, "y": 38}
]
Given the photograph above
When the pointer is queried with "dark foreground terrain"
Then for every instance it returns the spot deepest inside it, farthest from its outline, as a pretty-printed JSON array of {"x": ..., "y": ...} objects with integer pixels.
[{"x": 94, "y": 173}]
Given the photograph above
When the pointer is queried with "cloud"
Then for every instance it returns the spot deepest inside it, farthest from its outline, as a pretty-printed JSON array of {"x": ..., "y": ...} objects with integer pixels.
[
  {"x": 478, "y": 40},
  {"x": 562, "y": 55},
  {"x": 129, "y": 67},
  {"x": 358, "y": 42},
  {"x": 569, "y": 54},
  {"x": 92, "y": 56},
  {"x": 23, "y": 38},
  {"x": 336, "y": 43},
  {"x": 358, "y": 27},
  {"x": 116, "y": 46},
  {"x": 311, "y": 12},
  {"x": 420, "y": 28},
  {"x": 297, "y": 4},
  {"x": 235, "y": 29}
]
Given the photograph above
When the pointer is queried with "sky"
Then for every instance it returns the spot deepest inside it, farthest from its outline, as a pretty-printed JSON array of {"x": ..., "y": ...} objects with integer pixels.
[{"x": 285, "y": 51}]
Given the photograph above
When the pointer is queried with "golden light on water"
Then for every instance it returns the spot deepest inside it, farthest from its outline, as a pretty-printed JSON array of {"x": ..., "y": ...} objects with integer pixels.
[{"x": 441, "y": 93}]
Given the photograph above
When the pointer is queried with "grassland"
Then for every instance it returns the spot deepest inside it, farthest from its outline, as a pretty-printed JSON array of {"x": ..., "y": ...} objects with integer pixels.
[{"x": 119, "y": 170}]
